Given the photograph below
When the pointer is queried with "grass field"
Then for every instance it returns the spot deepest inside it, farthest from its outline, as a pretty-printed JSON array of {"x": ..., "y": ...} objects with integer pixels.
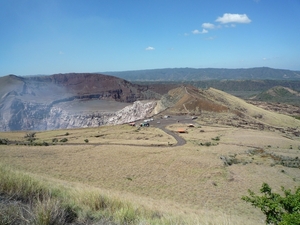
[{"x": 189, "y": 182}]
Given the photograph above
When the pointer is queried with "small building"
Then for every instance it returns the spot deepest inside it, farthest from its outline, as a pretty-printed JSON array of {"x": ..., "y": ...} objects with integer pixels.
[{"x": 181, "y": 131}]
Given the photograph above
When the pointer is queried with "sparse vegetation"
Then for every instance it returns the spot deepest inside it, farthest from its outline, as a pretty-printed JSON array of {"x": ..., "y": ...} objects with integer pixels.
[{"x": 86, "y": 140}]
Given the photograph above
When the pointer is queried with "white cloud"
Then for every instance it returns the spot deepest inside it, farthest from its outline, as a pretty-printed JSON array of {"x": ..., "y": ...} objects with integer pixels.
[
  {"x": 186, "y": 34},
  {"x": 211, "y": 38},
  {"x": 233, "y": 18},
  {"x": 230, "y": 25},
  {"x": 200, "y": 32},
  {"x": 149, "y": 48},
  {"x": 204, "y": 31},
  {"x": 61, "y": 52},
  {"x": 208, "y": 26}
]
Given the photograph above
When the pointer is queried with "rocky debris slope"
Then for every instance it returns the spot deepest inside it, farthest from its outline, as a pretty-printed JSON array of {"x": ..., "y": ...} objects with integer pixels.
[{"x": 137, "y": 111}]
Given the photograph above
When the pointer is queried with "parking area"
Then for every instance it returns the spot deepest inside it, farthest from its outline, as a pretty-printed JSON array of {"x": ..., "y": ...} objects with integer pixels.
[{"x": 162, "y": 122}]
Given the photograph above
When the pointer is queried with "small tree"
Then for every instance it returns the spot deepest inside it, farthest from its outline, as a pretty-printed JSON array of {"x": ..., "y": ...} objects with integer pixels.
[
  {"x": 279, "y": 210},
  {"x": 30, "y": 136}
]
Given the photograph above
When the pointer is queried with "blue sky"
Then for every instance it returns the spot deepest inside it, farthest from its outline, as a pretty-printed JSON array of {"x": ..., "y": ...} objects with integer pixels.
[{"x": 59, "y": 36}]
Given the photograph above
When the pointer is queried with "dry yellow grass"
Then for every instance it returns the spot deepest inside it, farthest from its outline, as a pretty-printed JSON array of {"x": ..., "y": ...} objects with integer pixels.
[
  {"x": 189, "y": 180},
  {"x": 267, "y": 117},
  {"x": 122, "y": 134}
]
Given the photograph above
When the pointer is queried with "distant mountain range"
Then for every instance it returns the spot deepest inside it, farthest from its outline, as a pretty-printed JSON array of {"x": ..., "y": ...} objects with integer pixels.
[{"x": 191, "y": 74}]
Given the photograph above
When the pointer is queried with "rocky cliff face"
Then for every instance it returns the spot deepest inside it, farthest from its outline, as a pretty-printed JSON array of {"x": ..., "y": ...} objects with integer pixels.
[
  {"x": 137, "y": 111},
  {"x": 61, "y": 119},
  {"x": 53, "y": 102}
]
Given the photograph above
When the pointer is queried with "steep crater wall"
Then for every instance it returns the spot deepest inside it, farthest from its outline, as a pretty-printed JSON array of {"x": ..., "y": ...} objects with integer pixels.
[{"x": 34, "y": 103}]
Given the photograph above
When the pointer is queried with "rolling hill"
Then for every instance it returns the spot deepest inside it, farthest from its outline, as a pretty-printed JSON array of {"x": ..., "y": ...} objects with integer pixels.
[
  {"x": 218, "y": 107},
  {"x": 279, "y": 94}
]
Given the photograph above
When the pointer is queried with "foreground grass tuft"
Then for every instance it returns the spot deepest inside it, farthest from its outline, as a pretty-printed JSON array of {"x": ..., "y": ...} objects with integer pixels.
[{"x": 25, "y": 199}]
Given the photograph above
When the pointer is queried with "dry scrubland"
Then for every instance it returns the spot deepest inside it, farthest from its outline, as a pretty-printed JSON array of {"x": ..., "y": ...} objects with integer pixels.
[{"x": 184, "y": 184}]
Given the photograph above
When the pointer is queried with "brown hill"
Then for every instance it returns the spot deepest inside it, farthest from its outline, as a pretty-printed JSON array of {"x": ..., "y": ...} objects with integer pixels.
[{"x": 75, "y": 84}]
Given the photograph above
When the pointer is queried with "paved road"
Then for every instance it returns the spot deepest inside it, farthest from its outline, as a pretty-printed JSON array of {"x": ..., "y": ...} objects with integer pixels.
[{"x": 164, "y": 122}]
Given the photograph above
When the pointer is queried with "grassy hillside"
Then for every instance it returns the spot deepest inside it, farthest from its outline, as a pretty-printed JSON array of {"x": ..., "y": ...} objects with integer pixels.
[
  {"x": 267, "y": 117},
  {"x": 142, "y": 182}
]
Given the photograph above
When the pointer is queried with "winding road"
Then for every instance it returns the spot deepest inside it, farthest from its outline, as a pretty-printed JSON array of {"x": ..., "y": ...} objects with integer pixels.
[{"x": 164, "y": 122}]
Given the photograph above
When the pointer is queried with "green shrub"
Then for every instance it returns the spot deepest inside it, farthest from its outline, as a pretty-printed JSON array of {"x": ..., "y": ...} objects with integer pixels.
[
  {"x": 86, "y": 140},
  {"x": 4, "y": 141},
  {"x": 279, "y": 210},
  {"x": 64, "y": 140},
  {"x": 297, "y": 117},
  {"x": 216, "y": 138},
  {"x": 207, "y": 143},
  {"x": 30, "y": 136}
]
